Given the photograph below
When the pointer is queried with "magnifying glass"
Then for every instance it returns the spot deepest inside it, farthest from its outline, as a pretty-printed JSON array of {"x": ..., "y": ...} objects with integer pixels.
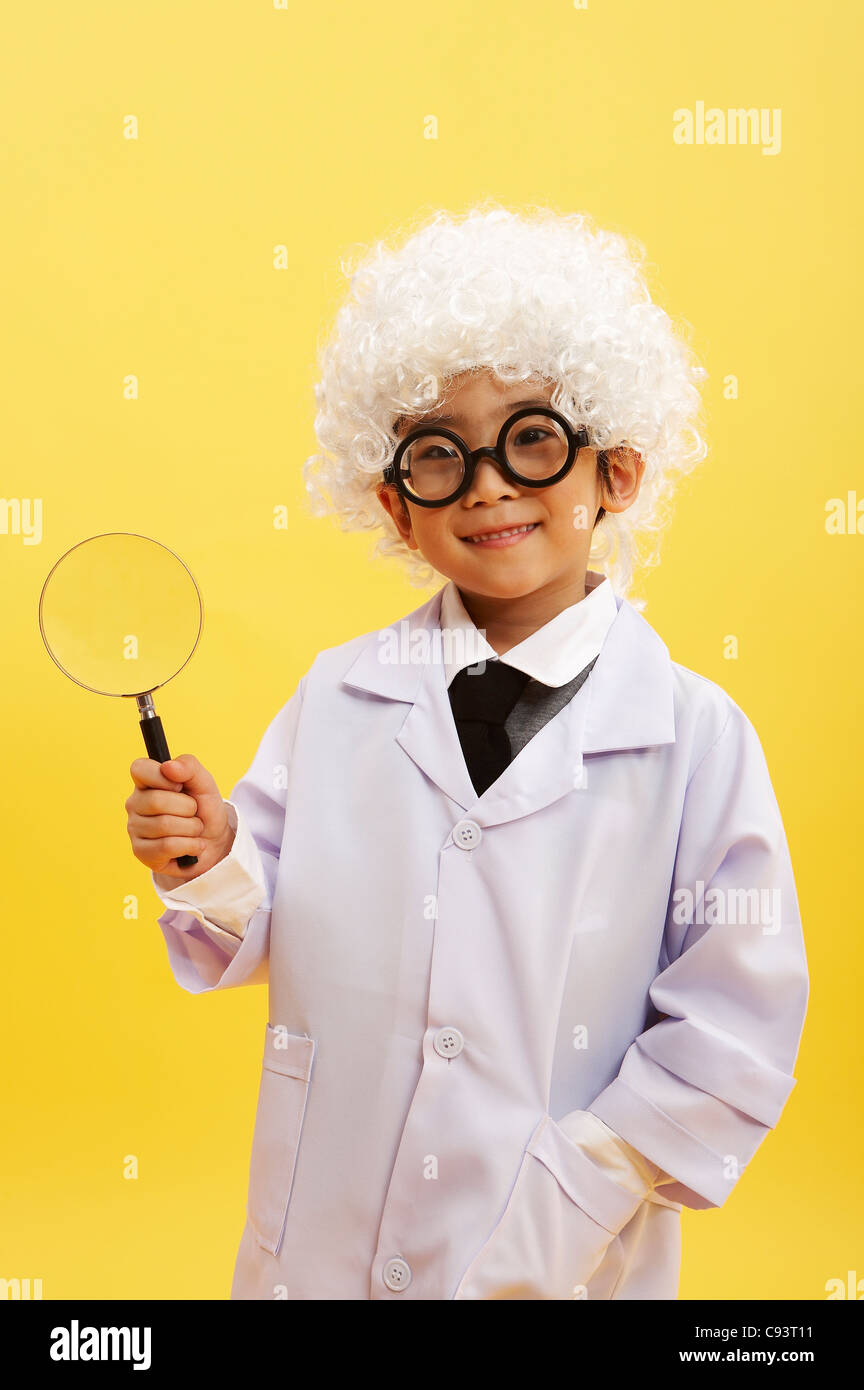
[{"x": 120, "y": 614}]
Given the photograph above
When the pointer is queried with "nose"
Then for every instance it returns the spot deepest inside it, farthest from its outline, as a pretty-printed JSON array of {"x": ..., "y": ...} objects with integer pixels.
[{"x": 490, "y": 482}]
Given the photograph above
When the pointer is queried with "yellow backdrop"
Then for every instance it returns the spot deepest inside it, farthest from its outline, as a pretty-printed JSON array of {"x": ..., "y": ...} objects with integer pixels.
[{"x": 155, "y": 161}]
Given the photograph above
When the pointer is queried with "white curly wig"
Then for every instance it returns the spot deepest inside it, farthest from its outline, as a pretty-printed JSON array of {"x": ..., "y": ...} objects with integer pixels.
[{"x": 525, "y": 295}]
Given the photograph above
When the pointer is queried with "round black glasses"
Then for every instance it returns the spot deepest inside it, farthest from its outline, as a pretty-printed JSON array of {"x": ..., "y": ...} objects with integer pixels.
[{"x": 536, "y": 447}]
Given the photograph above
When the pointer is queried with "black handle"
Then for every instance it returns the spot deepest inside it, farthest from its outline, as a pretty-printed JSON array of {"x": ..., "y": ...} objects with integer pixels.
[{"x": 157, "y": 747}]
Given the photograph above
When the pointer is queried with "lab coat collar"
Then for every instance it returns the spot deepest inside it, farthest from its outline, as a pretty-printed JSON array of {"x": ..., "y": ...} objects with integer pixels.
[{"x": 626, "y": 702}]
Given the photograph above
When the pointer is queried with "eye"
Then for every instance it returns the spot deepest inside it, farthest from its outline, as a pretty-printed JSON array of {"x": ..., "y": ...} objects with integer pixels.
[
  {"x": 432, "y": 451},
  {"x": 524, "y": 436}
]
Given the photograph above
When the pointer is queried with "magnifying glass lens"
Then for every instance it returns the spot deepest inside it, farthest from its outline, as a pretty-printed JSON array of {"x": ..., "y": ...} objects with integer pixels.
[{"x": 120, "y": 614}]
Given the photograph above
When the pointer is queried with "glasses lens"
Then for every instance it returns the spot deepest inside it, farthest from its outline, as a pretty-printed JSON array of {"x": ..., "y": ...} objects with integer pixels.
[
  {"x": 432, "y": 467},
  {"x": 536, "y": 447}
]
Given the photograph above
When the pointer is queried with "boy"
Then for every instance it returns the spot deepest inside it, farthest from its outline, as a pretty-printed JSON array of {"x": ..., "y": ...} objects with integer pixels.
[{"x": 518, "y": 882}]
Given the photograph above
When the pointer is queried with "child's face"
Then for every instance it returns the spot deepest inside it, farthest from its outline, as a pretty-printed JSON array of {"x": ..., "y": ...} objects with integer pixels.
[{"x": 553, "y": 557}]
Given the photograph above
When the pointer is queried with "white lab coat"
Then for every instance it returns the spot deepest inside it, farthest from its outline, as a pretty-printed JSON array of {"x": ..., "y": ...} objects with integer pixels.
[{"x": 458, "y": 984}]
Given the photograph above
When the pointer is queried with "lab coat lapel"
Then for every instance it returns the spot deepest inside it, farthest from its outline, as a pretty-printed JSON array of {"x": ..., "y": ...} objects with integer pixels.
[
  {"x": 626, "y": 702},
  {"x": 405, "y": 662}
]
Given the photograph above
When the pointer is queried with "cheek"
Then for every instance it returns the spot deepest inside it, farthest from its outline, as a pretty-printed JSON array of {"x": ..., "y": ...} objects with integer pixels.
[
  {"x": 431, "y": 533},
  {"x": 570, "y": 513},
  {"x": 578, "y": 503}
]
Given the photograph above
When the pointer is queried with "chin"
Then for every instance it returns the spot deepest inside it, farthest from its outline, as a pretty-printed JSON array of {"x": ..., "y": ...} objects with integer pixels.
[{"x": 499, "y": 585}]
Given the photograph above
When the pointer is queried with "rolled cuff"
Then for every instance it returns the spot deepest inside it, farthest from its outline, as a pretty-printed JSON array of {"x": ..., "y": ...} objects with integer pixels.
[
  {"x": 591, "y": 1185},
  {"x": 706, "y": 1159},
  {"x": 224, "y": 898}
]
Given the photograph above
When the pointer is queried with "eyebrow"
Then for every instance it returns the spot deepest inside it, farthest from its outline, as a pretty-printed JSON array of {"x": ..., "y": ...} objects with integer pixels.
[{"x": 457, "y": 419}]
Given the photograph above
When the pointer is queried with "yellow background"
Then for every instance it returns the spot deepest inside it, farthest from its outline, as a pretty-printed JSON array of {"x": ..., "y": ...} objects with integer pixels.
[{"x": 303, "y": 127}]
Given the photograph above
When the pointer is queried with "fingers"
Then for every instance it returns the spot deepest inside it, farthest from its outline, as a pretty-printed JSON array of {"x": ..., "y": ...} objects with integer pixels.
[
  {"x": 146, "y": 802},
  {"x": 158, "y": 854},
  {"x": 151, "y": 827},
  {"x": 146, "y": 773},
  {"x": 164, "y": 817},
  {"x": 192, "y": 774},
  {"x": 185, "y": 771}
]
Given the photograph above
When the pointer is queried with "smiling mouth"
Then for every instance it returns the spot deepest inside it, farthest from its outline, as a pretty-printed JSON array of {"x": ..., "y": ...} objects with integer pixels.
[{"x": 507, "y": 533}]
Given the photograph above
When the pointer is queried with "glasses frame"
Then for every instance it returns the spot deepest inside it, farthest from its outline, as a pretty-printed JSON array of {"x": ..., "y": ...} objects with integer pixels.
[{"x": 576, "y": 439}]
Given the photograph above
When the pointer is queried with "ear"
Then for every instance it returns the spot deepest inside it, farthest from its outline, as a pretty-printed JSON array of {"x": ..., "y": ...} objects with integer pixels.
[
  {"x": 626, "y": 468},
  {"x": 394, "y": 504}
]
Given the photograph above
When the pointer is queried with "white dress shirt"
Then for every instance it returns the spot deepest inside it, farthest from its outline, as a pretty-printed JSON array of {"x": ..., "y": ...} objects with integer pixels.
[
  {"x": 554, "y": 654},
  {"x": 224, "y": 898}
]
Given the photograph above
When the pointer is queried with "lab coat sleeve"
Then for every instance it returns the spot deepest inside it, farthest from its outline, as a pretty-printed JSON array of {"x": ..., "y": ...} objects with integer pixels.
[
  {"x": 698, "y": 1092},
  {"x": 578, "y": 1185},
  {"x": 217, "y": 926}
]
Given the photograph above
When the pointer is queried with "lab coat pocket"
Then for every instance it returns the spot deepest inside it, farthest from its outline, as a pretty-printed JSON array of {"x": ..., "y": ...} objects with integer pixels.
[
  {"x": 545, "y": 1246},
  {"x": 285, "y": 1074}
]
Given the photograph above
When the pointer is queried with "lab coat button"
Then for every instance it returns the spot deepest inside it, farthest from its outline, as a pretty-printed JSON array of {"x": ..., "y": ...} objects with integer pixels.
[
  {"x": 466, "y": 834},
  {"x": 396, "y": 1275},
  {"x": 448, "y": 1042}
]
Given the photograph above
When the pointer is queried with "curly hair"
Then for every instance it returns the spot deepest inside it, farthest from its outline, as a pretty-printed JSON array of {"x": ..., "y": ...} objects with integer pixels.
[{"x": 530, "y": 294}]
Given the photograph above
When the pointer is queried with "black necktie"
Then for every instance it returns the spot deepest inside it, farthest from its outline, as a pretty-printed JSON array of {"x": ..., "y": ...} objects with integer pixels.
[{"x": 480, "y": 705}]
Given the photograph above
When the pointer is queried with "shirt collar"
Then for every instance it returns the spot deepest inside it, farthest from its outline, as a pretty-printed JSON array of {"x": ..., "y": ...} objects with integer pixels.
[{"x": 554, "y": 654}]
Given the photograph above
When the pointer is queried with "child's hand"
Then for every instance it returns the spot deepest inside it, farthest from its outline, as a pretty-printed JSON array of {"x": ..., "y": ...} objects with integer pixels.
[{"x": 176, "y": 809}]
